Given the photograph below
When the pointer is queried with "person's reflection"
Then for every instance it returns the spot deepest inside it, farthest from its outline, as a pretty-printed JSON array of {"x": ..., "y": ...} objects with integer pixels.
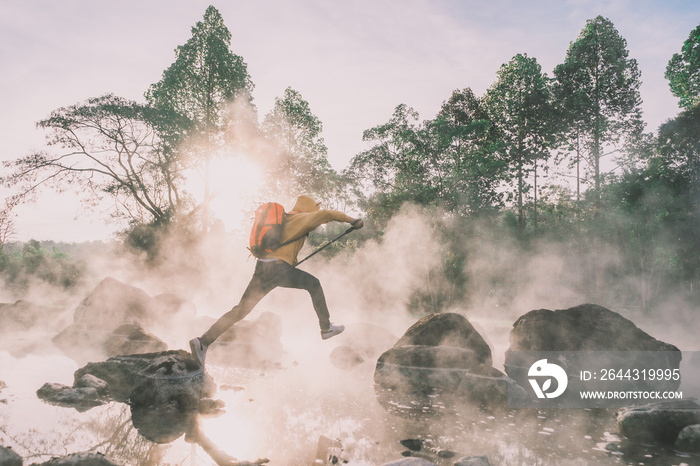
[{"x": 165, "y": 425}]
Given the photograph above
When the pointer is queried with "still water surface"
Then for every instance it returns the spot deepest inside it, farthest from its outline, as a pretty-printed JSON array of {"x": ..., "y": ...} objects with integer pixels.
[{"x": 299, "y": 414}]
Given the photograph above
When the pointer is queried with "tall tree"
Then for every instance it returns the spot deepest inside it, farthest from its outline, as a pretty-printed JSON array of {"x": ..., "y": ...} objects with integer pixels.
[
  {"x": 298, "y": 163},
  {"x": 395, "y": 170},
  {"x": 204, "y": 79},
  {"x": 109, "y": 147},
  {"x": 467, "y": 164},
  {"x": 519, "y": 104},
  {"x": 598, "y": 88},
  {"x": 683, "y": 71},
  {"x": 678, "y": 162}
]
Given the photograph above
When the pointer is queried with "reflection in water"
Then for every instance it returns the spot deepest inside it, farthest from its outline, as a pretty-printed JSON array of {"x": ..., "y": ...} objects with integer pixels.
[
  {"x": 301, "y": 414},
  {"x": 165, "y": 425}
]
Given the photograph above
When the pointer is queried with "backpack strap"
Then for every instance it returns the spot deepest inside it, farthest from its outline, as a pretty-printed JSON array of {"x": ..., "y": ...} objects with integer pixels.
[{"x": 293, "y": 240}]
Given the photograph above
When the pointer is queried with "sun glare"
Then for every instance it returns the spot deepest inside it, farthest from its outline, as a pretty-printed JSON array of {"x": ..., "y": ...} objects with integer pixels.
[{"x": 234, "y": 182}]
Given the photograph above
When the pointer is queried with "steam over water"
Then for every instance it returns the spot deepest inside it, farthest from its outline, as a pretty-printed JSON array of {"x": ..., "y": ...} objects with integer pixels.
[{"x": 306, "y": 409}]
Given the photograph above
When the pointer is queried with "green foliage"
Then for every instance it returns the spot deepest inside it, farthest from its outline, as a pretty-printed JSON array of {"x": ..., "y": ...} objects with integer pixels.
[
  {"x": 110, "y": 148},
  {"x": 205, "y": 86},
  {"x": 299, "y": 162},
  {"x": 205, "y": 77},
  {"x": 597, "y": 90},
  {"x": 447, "y": 162},
  {"x": 679, "y": 149},
  {"x": 683, "y": 71},
  {"x": 30, "y": 264},
  {"x": 464, "y": 149},
  {"x": 519, "y": 104}
]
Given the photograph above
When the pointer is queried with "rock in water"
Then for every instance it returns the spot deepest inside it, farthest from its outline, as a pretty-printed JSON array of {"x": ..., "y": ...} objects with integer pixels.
[
  {"x": 473, "y": 461},
  {"x": 9, "y": 457},
  {"x": 362, "y": 342},
  {"x": 440, "y": 363},
  {"x": 153, "y": 379},
  {"x": 344, "y": 357},
  {"x": 689, "y": 439},
  {"x": 88, "y": 458},
  {"x": 447, "y": 329},
  {"x": 586, "y": 328},
  {"x": 80, "y": 398},
  {"x": 111, "y": 305},
  {"x": 658, "y": 422},
  {"x": 410, "y": 462}
]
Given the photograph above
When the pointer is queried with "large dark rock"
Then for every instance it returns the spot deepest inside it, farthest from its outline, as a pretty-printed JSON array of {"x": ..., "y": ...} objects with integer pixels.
[
  {"x": 441, "y": 363},
  {"x": 658, "y": 422},
  {"x": 447, "y": 329},
  {"x": 587, "y": 329},
  {"x": 9, "y": 457},
  {"x": 424, "y": 369},
  {"x": 689, "y": 439},
  {"x": 109, "y": 307},
  {"x": 154, "y": 379}
]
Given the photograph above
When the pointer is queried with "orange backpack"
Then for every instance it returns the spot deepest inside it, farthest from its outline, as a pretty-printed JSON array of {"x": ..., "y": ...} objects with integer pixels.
[{"x": 266, "y": 234}]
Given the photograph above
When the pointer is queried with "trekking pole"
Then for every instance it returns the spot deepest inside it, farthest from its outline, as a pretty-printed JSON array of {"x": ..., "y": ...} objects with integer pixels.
[
  {"x": 313, "y": 253},
  {"x": 324, "y": 246}
]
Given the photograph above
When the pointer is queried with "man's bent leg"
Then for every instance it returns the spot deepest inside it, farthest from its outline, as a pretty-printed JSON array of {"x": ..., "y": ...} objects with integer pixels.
[
  {"x": 260, "y": 285},
  {"x": 299, "y": 279}
]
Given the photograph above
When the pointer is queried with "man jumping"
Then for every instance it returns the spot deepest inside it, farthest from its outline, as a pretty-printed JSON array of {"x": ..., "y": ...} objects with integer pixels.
[{"x": 275, "y": 268}]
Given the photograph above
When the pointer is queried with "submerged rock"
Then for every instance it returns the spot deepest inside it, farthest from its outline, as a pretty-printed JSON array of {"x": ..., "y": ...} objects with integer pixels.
[
  {"x": 689, "y": 439},
  {"x": 88, "y": 458},
  {"x": 413, "y": 444},
  {"x": 659, "y": 423},
  {"x": 345, "y": 357},
  {"x": 473, "y": 461},
  {"x": 410, "y": 462},
  {"x": 9, "y": 457}
]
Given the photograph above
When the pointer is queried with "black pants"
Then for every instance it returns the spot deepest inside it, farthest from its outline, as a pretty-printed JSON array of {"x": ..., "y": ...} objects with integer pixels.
[{"x": 267, "y": 277}]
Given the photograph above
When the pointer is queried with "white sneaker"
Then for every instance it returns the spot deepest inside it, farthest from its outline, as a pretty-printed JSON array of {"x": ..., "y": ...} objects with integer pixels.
[
  {"x": 199, "y": 351},
  {"x": 332, "y": 331}
]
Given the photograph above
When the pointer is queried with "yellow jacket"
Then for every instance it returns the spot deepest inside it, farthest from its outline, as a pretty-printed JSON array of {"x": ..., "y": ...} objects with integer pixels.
[{"x": 304, "y": 218}]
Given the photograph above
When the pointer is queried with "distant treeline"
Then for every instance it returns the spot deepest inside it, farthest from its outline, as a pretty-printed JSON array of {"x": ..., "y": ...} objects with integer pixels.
[{"x": 57, "y": 264}]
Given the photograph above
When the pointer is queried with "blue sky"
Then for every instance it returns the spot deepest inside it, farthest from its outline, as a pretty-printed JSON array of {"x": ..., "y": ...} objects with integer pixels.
[{"x": 354, "y": 61}]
